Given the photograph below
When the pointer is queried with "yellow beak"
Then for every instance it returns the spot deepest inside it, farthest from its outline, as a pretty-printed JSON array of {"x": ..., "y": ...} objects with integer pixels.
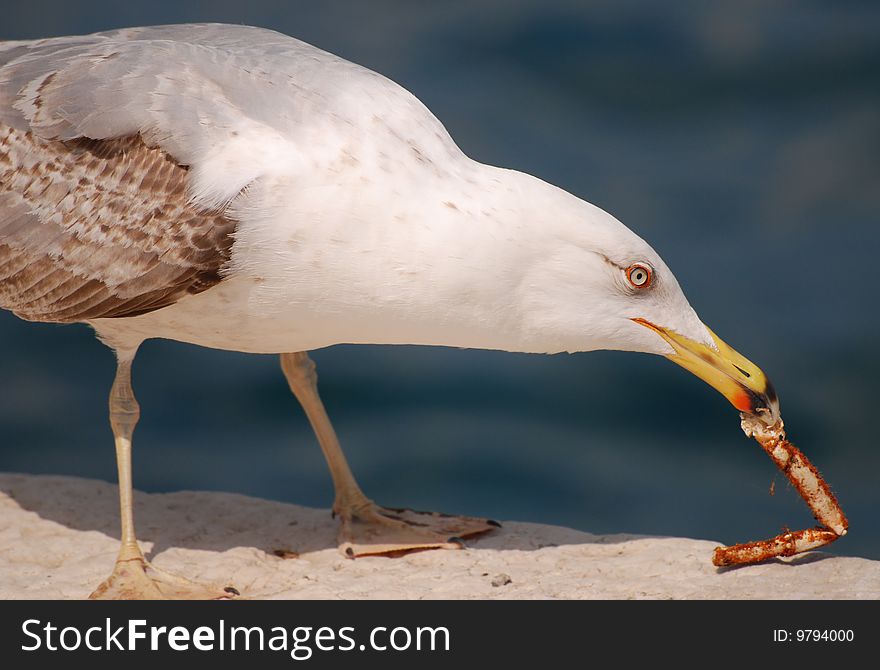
[{"x": 738, "y": 379}]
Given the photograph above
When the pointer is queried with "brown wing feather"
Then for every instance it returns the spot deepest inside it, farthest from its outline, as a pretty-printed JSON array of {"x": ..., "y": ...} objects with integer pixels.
[{"x": 100, "y": 228}]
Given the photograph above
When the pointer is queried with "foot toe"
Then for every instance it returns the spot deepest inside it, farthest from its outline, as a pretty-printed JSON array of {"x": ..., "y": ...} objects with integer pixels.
[
  {"x": 136, "y": 579},
  {"x": 375, "y": 530}
]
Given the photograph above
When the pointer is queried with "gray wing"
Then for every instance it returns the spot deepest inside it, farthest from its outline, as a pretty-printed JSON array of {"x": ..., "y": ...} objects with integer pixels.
[
  {"x": 101, "y": 140},
  {"x": 181, "y": 87}
]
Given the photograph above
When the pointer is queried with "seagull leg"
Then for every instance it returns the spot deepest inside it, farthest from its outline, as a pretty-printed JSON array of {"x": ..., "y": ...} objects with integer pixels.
[
  {"x": 133, "y": 577},
  {"x": 366, "y": 528}
]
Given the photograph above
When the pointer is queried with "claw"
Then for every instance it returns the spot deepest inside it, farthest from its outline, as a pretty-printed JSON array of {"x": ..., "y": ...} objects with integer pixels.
[
  {"x": 136, "y": 579},
  {"x": 370, "y": 530}
]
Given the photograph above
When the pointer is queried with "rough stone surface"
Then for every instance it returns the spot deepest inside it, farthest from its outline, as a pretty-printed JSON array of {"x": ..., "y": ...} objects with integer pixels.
[{"x": 59, "y": 537}]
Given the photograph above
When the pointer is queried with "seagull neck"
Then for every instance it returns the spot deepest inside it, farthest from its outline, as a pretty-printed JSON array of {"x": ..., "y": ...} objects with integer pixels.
[
  {"x": 454, "y": 265},
  {"x": 429, "y": 260}
]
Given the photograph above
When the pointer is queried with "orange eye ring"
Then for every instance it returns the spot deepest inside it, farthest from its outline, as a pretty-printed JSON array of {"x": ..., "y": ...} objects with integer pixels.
[{"x": 640, "y": 275}]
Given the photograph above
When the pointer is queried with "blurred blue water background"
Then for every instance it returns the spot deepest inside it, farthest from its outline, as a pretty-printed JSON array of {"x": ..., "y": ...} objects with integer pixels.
[{"x": 741, "y": 139}]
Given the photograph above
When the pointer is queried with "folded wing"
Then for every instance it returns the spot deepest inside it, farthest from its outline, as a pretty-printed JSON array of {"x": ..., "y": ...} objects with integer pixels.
[{"x": 120, "y": 153}]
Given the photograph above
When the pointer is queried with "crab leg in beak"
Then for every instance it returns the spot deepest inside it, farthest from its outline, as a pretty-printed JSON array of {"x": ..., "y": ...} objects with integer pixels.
[
  {"x": 749, "y": 390},
  {"x": 724, "y": 369}
]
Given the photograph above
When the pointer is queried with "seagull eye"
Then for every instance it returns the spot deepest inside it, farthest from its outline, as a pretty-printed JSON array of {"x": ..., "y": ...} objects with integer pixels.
[{"x": 639, "y": 275}]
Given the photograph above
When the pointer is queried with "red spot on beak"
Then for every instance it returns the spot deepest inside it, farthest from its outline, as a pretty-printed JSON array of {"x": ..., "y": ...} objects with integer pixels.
[{"x": 743, "y": 402}]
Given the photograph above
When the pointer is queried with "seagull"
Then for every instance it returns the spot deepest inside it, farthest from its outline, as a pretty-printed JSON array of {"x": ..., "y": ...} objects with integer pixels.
[{"x": 235, "y": 188}]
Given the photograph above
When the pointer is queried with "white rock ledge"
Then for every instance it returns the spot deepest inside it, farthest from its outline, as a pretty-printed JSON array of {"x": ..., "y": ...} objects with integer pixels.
[{"x": 58, "y": 539}]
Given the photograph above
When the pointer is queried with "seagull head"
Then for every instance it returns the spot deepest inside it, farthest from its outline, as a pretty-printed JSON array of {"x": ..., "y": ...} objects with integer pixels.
[{"x": 600, "y": 286}]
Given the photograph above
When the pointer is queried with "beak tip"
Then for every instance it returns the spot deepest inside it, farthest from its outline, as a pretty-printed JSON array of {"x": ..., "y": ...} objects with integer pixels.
[
  {"x": 744, "y": 385},
  {"x": 763, "y": 406}
]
